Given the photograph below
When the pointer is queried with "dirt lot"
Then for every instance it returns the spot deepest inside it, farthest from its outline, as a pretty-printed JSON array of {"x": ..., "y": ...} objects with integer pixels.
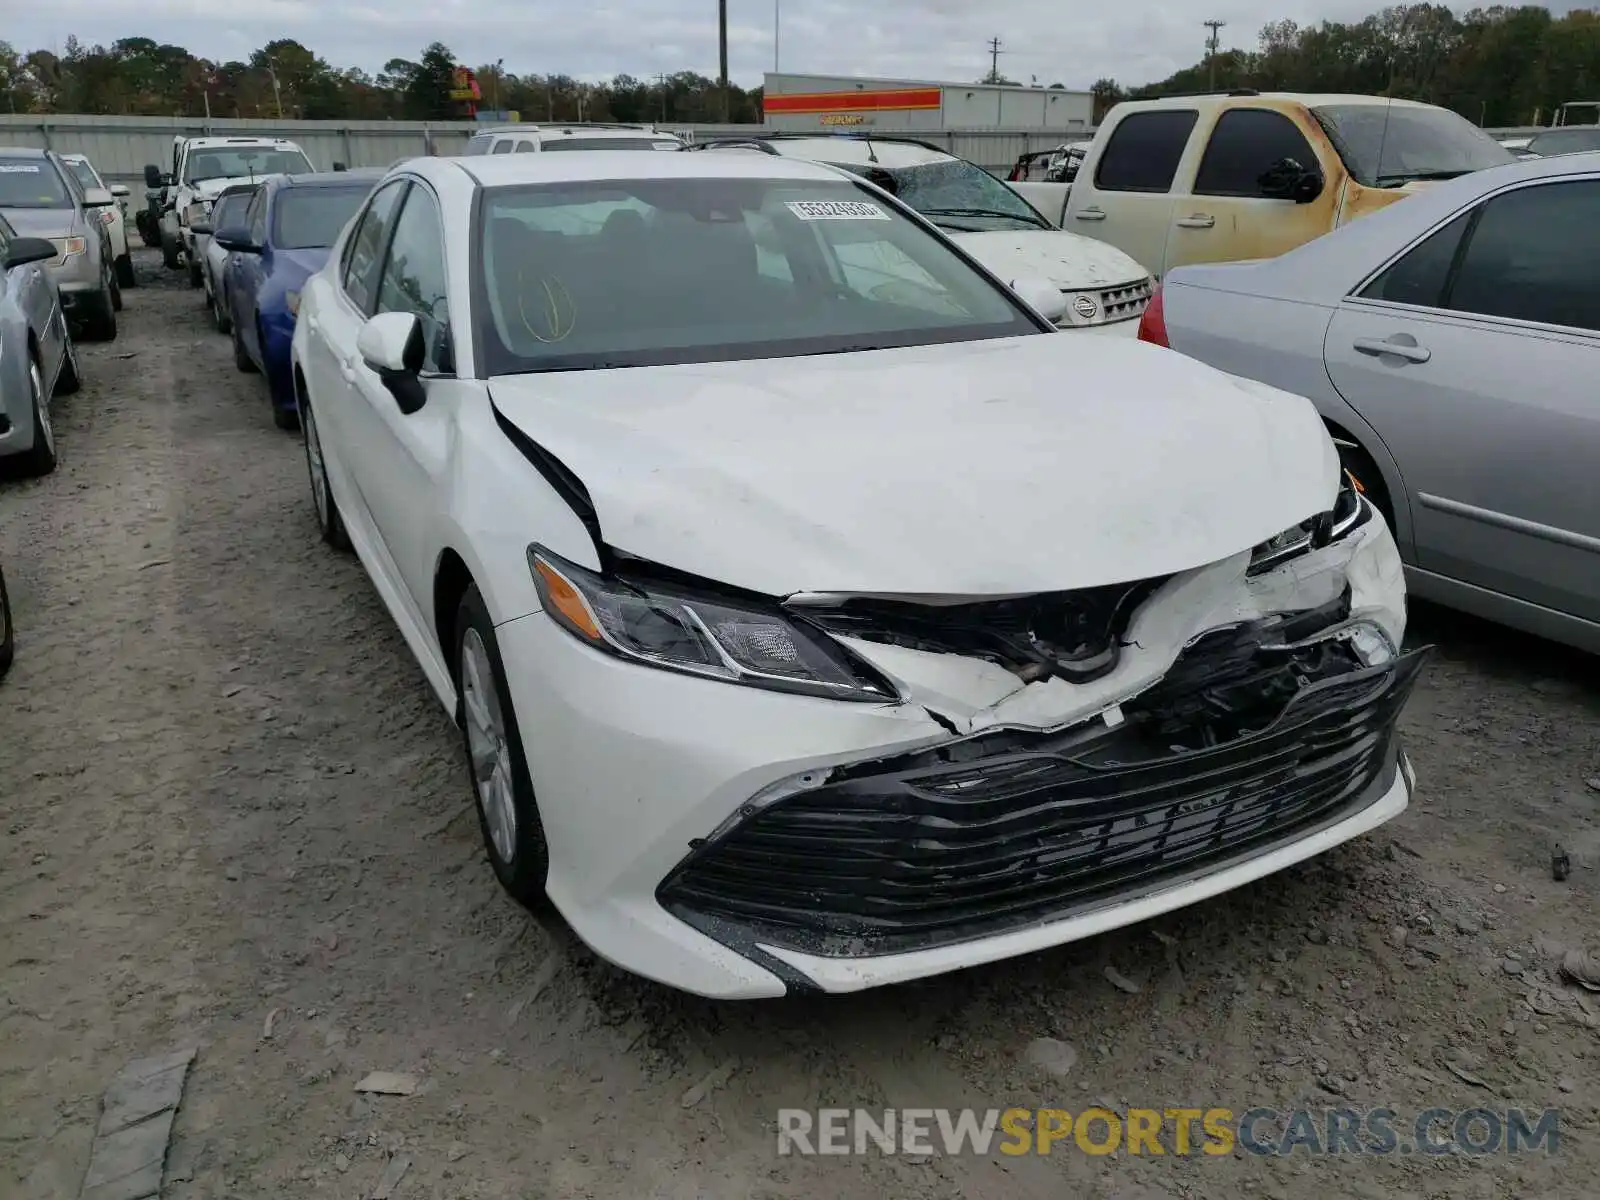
[{"x": 231, "y": 802}]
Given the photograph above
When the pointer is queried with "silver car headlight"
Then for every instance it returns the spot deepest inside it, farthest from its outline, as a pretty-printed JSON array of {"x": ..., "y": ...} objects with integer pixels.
[
  {"x": 1350, "y": 511},
  {"x": 736, "y": 641}
]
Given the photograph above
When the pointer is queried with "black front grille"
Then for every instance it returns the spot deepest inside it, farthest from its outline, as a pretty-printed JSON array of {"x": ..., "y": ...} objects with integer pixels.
[{"x": 902, "y": 854}]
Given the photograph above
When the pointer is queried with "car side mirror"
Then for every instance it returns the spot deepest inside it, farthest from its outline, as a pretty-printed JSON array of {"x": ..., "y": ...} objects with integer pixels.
[
  {"x": 1042, "y": 296},
  {"x": 23, "y": 250},
  {"x": 152, "y": 175},
  {"x": 392, "y": 346},
  {"x": 1287, "y": 179},
  {"x": 202, "y": 228},
  {"x": 236, "y": 237},
  {"x": 97, "y": 198}
]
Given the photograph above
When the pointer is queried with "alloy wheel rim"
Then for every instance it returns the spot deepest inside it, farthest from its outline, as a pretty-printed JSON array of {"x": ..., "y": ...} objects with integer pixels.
[
  {"x": 41, "y": 406},
  {"x": 319, "y": 478},
  {"x": 487, "y": 746}
]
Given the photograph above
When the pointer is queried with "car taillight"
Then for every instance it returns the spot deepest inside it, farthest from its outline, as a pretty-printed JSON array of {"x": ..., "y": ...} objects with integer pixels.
[{"x": 1153, "y": 325}]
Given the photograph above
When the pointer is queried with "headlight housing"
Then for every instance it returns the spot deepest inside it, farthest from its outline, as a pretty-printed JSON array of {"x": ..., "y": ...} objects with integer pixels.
[
  {"x": 1350, "y": 511},
  {"x": 68, "y": 247},
  {"x": 735, "y": 641}
]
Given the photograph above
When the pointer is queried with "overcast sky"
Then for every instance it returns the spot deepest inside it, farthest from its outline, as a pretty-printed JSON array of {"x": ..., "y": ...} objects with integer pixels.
[{"x": 1071, "y": 41}]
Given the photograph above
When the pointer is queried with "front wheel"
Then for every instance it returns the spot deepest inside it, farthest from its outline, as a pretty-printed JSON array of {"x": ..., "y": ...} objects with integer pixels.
[
  {"x": 508, "y": 814},
  {"x": 169, "y": 253},
  {"x": 241, "y": 356},
  {"x": 40, "y": 458},
  {"x": 329, "y": 522},
  {"x": 70, "y": 378},
  {"x": 125, "y": 275},
  {"x": 100, "y": 322},
  {"x": 194, "y": 273}
]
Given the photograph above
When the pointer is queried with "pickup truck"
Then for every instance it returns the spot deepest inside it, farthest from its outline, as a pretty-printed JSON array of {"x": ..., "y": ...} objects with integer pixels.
[{"x": 1246, "y": 175}]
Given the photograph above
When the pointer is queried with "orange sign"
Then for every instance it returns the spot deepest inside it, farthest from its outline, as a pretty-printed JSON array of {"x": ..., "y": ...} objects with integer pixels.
[{"x": 890, "y": 100}]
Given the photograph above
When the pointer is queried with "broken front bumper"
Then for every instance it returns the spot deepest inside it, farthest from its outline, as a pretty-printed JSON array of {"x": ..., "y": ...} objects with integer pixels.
[{"x": 940, "y": 848}]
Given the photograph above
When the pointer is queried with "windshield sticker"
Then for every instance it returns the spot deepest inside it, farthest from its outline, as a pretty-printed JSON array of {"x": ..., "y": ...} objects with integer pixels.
[
  {"x": 836, "y": 210},
  {"x": 18, "y": 169}
]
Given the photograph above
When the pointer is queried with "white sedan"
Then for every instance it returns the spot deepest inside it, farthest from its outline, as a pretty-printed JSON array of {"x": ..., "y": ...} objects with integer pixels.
[
  {"x": 804, "y": 632},
  {"x": 114, "y": 215}
]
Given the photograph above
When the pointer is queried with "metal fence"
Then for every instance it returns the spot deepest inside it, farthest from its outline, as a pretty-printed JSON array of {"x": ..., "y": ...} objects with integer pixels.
[{"x": 119, "y": 147}]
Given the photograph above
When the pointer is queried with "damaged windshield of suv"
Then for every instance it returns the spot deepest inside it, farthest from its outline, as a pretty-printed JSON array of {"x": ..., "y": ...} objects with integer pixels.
[{"x": 954, "y": 194}]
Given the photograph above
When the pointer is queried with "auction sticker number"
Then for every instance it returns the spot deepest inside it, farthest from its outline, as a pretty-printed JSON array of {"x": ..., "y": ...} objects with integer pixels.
[
  {"x": 18, "y": 169},
  {"x": 837, "y": 210}
]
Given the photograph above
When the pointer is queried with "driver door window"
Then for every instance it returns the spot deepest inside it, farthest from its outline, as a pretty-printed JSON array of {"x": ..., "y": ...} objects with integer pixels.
[
  {"x": 413, "y": 278},
  {"x": 366, "y": 244}
]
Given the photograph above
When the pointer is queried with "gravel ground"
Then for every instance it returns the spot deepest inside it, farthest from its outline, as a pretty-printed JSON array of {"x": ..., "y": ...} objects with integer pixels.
[{"x": 237, "y": 818}]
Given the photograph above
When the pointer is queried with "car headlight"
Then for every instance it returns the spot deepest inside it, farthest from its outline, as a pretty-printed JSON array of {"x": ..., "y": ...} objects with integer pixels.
[
  {"x": 67, "y": 247},
  {"x": 1350, "y": 511},
  {"x": 730, "y": 640}
]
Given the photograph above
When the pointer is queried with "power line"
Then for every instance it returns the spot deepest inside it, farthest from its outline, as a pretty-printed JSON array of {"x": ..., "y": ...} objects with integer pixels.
[
  {"x": 994, "y": 58},
  {"x": 1212, "y": 43}
]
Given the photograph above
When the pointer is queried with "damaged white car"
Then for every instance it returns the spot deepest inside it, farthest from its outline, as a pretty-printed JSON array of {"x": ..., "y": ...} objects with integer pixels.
[{"x": 805, "y": 633}]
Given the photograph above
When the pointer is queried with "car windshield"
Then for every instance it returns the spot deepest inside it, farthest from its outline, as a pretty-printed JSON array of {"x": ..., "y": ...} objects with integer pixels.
[
  {"x": 31, "y": 183},
  {"x": 1388, "y": 145},
  {"x": 1566, "y": 141},
  {"x": 307, "y": 218},
  {"x": 612, "y": 143},
  {"x": 586, "y": 276},
  {"x": 244, "y": 162},
  {"x": 84, "y": 172},
  {"x": 955, "y": 194}
]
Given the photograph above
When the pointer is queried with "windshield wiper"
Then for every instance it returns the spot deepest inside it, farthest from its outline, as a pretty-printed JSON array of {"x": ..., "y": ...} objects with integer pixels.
[
  {"x": 1037, "y": 222},
  {"x": 1420, "y": 176}
]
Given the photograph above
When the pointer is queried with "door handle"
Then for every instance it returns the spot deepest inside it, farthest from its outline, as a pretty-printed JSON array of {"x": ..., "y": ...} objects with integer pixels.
[
  {"x": 1090, "y": 214},
  {"x": 1401, "y": 345},
  {"x": 347, "y": 369},
  {"x": 311, "y": 324},
  {"x": 1197, "y": 221}
]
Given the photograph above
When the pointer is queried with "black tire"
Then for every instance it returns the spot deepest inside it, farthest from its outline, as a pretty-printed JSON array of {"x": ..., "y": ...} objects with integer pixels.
[
  {"x": 194, "y": 274},
  {"x": 40, "y": 458},
  {"x": 70, "y": 378},
  {"x": 116, "y": 291},
  {"x": 241, "y": 356},
  {"x": 8, "y": 632},
  {"x": 523, "y": 874},
  {"x": 330, "y": 523},
  {"x": 219, "y": 312},
  {"x": 169, "y": 254},
  {"x": 100, "y": 315},
  {"x": 125, "y": 275},
  {"x": 286, "y": 419}
]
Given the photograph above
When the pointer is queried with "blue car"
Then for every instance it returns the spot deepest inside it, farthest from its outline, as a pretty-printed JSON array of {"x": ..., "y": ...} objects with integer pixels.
[{"x": 283, "y": 238}]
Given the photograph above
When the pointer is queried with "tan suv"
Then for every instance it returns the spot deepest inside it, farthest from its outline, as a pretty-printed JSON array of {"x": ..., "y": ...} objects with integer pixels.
[{"x": 1245, "y": 175}]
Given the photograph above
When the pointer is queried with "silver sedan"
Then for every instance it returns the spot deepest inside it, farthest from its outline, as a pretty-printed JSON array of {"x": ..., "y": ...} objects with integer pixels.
[
  {"x": 1452, "y": 345},
  {"x": 37, "y": 359}
]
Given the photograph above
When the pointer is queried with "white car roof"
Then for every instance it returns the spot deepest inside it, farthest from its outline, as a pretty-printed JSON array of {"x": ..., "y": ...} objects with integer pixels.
[
  {"x": 583, "y": 131},
  {"x": 211, "y": 143},
  {"x": 600, "y": 165}
]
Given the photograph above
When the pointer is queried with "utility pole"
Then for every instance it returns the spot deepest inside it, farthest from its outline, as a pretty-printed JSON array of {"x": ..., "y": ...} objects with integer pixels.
[
  {"x": 994, "y": 60},
  {"x": 661, "y": 78},
  {"x": 276, "y": 94},
  {"x": 722, "y": 40},
  {"x": 1212, "y": 43},
  {"x": 777, "y": 29}
]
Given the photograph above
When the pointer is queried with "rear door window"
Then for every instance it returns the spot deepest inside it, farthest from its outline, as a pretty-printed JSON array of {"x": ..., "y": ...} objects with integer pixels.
[
  {"x": 1421, "y": 275},
  {"x": 1145, "y": 150},
  {"x": 503, "y": 147},
  {"x": 1245, "y": 142},
  {"x": 364, "y": 248}
]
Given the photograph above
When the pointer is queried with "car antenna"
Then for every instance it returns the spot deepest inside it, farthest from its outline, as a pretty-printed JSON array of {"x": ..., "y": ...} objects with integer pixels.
[{"x": 872, "y": 155}]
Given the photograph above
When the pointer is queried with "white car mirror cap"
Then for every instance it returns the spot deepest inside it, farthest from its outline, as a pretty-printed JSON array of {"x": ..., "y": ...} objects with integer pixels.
[
  {"x": 391, "y": 343},
  {"x": 97, "y": 198},
  {"x": 1042, "y": 296},
  {"x": 120, "y": 189}
]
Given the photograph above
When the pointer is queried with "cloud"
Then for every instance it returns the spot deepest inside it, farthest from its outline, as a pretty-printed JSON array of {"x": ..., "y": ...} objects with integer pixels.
[{"x": 1069, "y": 41}]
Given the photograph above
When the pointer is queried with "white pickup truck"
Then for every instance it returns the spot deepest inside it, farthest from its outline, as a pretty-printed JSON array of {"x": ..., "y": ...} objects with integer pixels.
[{"x": 201, "y": 168}]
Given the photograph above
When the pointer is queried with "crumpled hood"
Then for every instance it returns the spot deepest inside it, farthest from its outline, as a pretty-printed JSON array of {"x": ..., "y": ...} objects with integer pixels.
[
  {"x": 1069, "y": 260},
  {"x": 43, "y": 222},
  {"x": 990, "y": 468}
]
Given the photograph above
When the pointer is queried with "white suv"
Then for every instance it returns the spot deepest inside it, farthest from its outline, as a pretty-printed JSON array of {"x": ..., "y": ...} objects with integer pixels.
[
  {"x": 201, "y": 168},
  {"x": 529, "y": 139},
  {"x": 1104, "y": 290}
]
